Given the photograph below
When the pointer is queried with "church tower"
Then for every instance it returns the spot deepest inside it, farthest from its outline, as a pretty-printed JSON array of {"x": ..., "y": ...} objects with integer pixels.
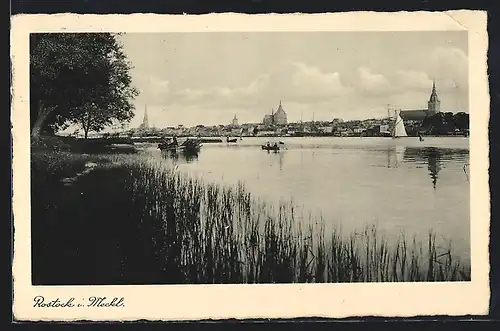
[
  {"x": 145, "y": 123},
  {"x": 434, "y": 105},
  {"x": 234, "y": 122},
  {"x": 280, "y": 117}
]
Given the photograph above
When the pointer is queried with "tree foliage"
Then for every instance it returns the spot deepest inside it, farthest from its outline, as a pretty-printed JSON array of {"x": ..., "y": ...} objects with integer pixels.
[
  {"x": 78, "y": 78},
  {"x": 445, "y": 122}
]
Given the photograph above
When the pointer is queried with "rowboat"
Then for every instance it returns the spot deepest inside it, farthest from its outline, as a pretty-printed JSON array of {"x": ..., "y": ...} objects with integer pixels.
[
  {"x": 271, "y": 148},
  {"x": 189, "y": 145}
]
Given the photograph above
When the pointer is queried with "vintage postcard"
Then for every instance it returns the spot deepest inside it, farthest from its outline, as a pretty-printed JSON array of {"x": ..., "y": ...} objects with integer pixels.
[{"x": 250, "y": 166}]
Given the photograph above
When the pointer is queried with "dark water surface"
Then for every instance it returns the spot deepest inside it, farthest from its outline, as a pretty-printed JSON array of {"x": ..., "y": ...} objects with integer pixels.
[{"x": 398, "y": 184}]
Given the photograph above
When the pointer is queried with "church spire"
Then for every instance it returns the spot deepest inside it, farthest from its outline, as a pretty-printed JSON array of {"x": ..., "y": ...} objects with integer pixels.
[
  {"x": 434, "y": 96},
  {"x": 145, "y": 123},
  {"x": 280, "y": 108},
  {"x": 434, "y": 105}
]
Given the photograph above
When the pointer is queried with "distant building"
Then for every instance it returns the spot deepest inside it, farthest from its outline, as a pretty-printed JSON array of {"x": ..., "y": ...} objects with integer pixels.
[
  {"x": 276, "y": 118},
  {"x": 384, "y": 128},
  {"x": 234, "y": 122},
  {"x": 268, "y": 119},
  {"x": 433, "y": 107},
  {"x": 280, "y": 117},
  {"x": 358, "y": 129},
  {"x": 145, "y": 124},
  {"x": 236, "y": 131},
  {"x": 326, "y": 129}
]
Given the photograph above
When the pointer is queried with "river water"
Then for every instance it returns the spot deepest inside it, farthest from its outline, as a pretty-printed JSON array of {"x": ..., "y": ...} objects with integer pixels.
[{"x": 398, "y": 184}]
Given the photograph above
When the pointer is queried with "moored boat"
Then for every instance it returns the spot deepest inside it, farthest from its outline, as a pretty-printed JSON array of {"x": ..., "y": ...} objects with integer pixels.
[
  {"x": 270, "y": 148},
  {"x": 273, "y": 147},
  {"x": 189, "y": 145}
]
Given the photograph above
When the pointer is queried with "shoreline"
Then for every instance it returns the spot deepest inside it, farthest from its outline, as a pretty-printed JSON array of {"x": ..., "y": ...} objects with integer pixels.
[{"x": 220, "y": 139}]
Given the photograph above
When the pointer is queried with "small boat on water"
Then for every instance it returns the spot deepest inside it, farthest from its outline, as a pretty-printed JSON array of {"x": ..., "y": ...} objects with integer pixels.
[
  {"x": 399, "y": 130},
  {"x": 272, "y": 147},
  {"x": 189, "y": 145},
  {"x": 210, "y": 140},
  {"x": 231, "y": 140}
]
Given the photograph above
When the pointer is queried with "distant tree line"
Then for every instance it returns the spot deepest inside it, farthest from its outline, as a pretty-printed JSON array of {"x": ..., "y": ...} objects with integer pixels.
[
  {"x": 446, "y": 122},
  {"x": 78, "y": 78}
]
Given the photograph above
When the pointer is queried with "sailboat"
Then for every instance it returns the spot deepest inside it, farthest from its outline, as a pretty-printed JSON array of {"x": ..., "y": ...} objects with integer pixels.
[{"x": 399, "y": 129}]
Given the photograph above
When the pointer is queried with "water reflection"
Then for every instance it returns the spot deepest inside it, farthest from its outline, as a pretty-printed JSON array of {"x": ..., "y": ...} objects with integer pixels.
[
  {"x": 350, "y": 184},
  {"x": 435, "y": 158},
  {"x": 395, "y": 156},
  {"x": 180, "y": 156}
]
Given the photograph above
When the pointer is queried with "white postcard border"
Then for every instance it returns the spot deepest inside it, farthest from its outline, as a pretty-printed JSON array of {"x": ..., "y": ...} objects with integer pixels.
[{"x": 192, "y": 302}]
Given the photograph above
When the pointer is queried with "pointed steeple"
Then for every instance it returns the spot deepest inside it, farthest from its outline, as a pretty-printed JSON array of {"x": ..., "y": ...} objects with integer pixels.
[
  {"x": 280, "y": 108},
  {"x": 145, "y": 123},
  {"x": 434, "y": 105},
  {"x": 434, "y": 96}
]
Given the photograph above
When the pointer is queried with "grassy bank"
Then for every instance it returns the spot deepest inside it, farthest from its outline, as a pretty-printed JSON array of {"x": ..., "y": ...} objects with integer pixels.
[{"x": 131, "y": 220}]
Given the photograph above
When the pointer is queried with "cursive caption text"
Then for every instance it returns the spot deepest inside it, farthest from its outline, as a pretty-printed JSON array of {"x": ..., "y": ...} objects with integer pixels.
[{"x": 91, "y": 302}]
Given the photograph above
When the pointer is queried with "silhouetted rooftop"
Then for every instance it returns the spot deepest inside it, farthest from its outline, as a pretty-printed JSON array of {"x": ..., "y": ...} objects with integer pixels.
[{"x": 414, "y": 114}]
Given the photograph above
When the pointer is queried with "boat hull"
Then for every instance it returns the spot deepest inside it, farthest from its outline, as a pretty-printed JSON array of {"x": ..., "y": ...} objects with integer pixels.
[
  {"x": 270, "y": 148},
  {"x": 188, "y": 146}
]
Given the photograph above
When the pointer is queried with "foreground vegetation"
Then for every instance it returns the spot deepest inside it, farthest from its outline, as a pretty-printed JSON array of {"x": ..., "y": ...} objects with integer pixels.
[{"x": 131, "y": 220}]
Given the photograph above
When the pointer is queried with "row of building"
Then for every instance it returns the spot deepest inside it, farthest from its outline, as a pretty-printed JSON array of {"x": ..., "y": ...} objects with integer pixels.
[
  {"x": 279, "y": 117},
  {"x": 276, "y": 118},
  {"x": 276, "y": 123}
]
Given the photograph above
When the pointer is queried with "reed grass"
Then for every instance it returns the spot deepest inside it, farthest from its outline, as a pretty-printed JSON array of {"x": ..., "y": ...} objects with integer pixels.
[{"x": 133, "y": 220}]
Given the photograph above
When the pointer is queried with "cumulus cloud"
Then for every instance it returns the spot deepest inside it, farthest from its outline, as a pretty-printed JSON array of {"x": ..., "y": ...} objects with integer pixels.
[
  {"x": 373, "y": 83},
  {"x": 152, "y": 87},
  {"x": 356, "y": 90},
  {"x": 294, "y": 82},
  {"x": 412, "y": 80},
  {"x": 451, "y": 65},
  {"x": 309, "y": 82}
]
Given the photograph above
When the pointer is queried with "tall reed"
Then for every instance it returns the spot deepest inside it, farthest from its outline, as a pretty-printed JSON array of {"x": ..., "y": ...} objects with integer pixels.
[{"x": 171, "y": 228}]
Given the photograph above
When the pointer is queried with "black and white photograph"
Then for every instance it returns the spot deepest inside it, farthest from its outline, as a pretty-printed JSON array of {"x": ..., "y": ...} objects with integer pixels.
[{"x": 250, "y": 157}]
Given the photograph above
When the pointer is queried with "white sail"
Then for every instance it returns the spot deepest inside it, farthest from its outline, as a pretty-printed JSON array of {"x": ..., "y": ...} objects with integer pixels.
[{"x": 399, "y": 127}]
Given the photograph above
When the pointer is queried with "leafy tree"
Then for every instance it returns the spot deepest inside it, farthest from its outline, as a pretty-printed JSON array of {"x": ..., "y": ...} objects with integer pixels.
[
  {"x": 78, "y": 78},
  {"x": 461, "y": 120},
  {"x": 442, "y": 123}
]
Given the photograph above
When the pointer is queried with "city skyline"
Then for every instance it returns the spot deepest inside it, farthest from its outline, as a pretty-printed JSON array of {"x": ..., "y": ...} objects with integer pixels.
[
  {"x": 265, "y": 121},
  {"x": 323, "y": 75}
]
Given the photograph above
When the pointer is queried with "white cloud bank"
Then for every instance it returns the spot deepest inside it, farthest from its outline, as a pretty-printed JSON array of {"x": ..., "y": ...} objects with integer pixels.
[{"x": 306, "y": 90}]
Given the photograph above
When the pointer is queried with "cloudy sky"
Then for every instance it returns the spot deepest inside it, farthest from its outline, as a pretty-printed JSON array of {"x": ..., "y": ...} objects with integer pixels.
[{"x": 207, "y": 78}]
